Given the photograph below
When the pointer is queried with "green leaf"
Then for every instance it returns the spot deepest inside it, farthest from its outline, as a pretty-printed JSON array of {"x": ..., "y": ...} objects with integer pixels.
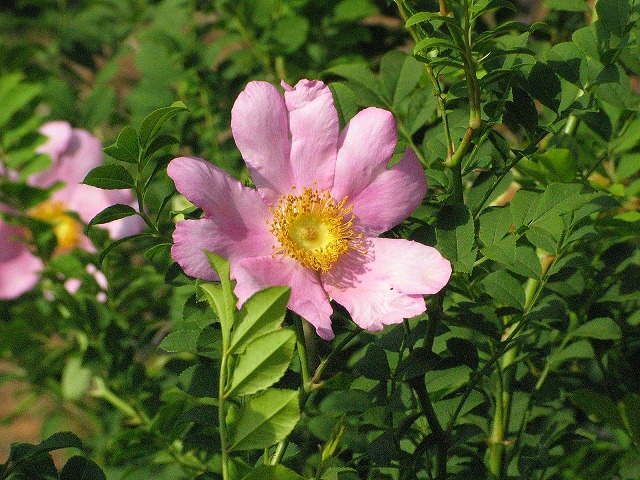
[
  {"x": 126, "y": 148},
  {"x": 433, "y": 17},
  {"x": 109, "y": 177},
  {"x": 80, "y": 468},
  {"x": 159, "y": 142},
  {"x": 340, "y": 473},
  {"x": 430, "y": 43},
  {"x": 272, "y": 472},
  {"x": 23, "y": 452},
  {"x": 200, "y": 380},
  {"x": 587, "y": 41},
  {"x": 503, "y": 251},
  {"x": 495, "y": 223},
  {"x": 98, "y": 107},
  {"x": 344, "y": 101},
  {"x": 568, "y": 5},
  {"x": 559, "y": 199},
  {"x": 345, "y": 401},
  {"x": 291, "y": 31},
  {"x": 481, "y": 7},
  {"x": 597, "y": 405},
  {"x": 526, "y": 263},
  {"x": 455, "y": 236},
  {"x": 374, "y": 364},
  {"x": 629, "y": 411},
  {"x": 554, "y": 165},
  {"x": 265, "y": 419},
  {"x": 614, "y": 15},
  {"x": 15, "y": 94},
  {"x": 505, "y": 289},
  {"x": 353, "y": 10},
  {"x": 523, "y": 206},
  {"x": 76, "y": 378},
  {"x": 600, "y": 329},
  {"x": 262, "y": 313},
  {"x": 569, "y": 62},
  {"x": 399, "y": 74},
  {"x": 183, "y": 340},
  {"x": 360, "y": 74},
  {"x": 115, "y": 243},
  {"x": 111, "y": 213},
  {"x": 153, "y": 122},
  {"x": 263, "y": 363},
  {"x": 60, "y": 440},
  {"x": 579, "y": 349},
  {"x": 225, "y": 301},
  {"x": 543, "y": 239}
]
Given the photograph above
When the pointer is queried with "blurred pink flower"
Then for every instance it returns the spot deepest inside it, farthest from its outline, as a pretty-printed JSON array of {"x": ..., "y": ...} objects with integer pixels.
[
  {"x": 19, "y": 268},
  {"x": 323, "y": 197},
  {"x": 74, "y": 153},
  {"x": 72, "y": 285}
]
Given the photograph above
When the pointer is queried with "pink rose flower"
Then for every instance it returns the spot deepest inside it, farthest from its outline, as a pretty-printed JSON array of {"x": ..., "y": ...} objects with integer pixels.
[
  {"x": 322, "y": 198},
  {"x": 74, "y": 153}
]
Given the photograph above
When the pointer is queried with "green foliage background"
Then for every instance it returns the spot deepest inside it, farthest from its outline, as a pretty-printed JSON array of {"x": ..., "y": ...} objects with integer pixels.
[{"x": 525, "y": 366}]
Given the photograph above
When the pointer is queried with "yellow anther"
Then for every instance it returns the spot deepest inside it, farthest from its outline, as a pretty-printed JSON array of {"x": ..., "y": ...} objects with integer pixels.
[
  {"x": 313, "y": 228},
  {"x": 67, "y": 230}
]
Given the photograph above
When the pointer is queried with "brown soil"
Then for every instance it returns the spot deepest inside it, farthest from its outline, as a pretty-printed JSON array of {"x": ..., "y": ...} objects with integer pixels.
[{"x": 17, "y": 425}]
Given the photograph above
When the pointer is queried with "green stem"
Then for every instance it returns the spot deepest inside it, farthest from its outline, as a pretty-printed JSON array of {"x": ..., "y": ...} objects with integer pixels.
[
  {"x": 222, "y": 416},
  {"x": 506, "y": 344},
  {"x": 222, "y": 408},
  {"x": 309, "y": 384},
  {"x": 402, "y": 129},
  {"x": 454, "y": 161},
  {"x": 506, "y": 373},
  {"x": 305, "y": 387},
  {"x": 440, "y": 437},
  {"x": 187, "y": 461},
  {"x": 571, "y": 125},
  {"x": 301, "y": 346},
  {"x": 433, "y": 321},
  {"x": 417, "y": 33},
  {"x": 507, "y": 169},
  {"x": 101, "y": 390},
  {"x": 496, "y": 440}
]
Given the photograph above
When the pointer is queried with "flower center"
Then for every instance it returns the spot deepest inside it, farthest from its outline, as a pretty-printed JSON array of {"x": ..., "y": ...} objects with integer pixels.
[
  {"x": 313, "y": 228},
  {"x": 67, "y": 230}
]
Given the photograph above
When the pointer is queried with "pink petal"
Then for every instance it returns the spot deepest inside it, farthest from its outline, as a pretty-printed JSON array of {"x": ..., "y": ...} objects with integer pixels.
[
  {"x": 233, "y": 241},
  {"x": 391, "y": 197},
  {"x": 261, "y": 131},
  {"x": 72, "y": 285},
  {"x": 59, "y": 136},
  {"x": 19, "y": 268},
  {"x": 101, "y": 280},
  {"x": 313, "y": 121},
  {"x": 218, "y": 194},
  {"x": 387, "y": 284},
  {"x": 364, "y": 150},
  {"x": 83, "y": 152},
  {"x": 308, "y": 298}
]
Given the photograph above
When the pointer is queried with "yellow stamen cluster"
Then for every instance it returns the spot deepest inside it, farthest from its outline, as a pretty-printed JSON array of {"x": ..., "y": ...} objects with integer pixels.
[
  {"x": 67, "y": 230},
  {"x": 313, "y": 228}
]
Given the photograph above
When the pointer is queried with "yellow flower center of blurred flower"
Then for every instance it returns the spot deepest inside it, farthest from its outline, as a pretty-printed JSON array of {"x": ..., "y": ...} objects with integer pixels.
[
  {"x": 313, "y": 228},
  {"x": 67, "y": 230}
]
